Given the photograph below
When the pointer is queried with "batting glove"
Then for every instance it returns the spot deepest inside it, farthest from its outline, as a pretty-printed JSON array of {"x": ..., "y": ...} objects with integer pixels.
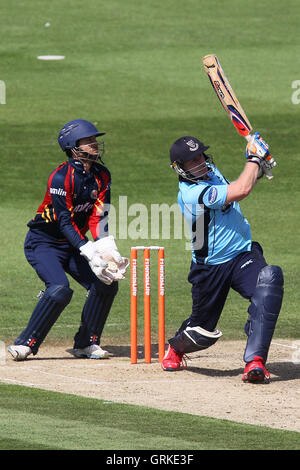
[{"x": 257, "y": 150}]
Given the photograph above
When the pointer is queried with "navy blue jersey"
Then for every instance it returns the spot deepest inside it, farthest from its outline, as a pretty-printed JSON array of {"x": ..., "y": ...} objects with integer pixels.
[{"x": 75, "y": 202}]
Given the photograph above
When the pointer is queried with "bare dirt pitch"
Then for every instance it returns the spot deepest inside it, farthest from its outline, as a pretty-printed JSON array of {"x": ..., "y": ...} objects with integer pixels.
[{"x": 210, "y": 385}]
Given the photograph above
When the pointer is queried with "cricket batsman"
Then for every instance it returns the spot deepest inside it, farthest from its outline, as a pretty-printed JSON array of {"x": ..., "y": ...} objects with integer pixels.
[
  {"x": 223, "y": 256},
  {"x": 77, "y": 199}
]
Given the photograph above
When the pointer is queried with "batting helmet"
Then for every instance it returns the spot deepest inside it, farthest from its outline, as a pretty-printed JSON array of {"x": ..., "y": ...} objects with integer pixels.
[{"x": 186, "y": 148}]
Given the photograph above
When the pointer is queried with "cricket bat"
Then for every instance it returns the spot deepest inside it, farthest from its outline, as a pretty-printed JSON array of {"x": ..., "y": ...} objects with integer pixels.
[{"x": 231, "y": 104}]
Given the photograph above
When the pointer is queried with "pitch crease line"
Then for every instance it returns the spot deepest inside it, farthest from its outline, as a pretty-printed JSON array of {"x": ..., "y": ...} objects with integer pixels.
[{"x": 93, "y": 382}]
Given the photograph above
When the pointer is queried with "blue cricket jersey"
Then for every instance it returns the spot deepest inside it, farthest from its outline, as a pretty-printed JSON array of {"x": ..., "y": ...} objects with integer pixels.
[{"x": 219, "y": 231}]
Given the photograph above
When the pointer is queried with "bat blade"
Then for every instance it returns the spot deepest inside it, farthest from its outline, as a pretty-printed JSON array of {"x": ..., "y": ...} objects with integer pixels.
[
  {"x": 226, "y": 94},
  {"x": 228, "y": 99}
]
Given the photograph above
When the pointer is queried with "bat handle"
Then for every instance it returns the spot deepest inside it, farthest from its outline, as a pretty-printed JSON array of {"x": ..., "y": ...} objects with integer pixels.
[
  {"x": 267, "y": 172},
  {"x": 270, "y": 162}
]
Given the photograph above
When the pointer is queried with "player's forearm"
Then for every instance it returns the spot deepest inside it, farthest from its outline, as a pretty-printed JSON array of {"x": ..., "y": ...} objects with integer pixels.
[
  {"x": 70, "y": 231},
  {"x": 239, "y": 189}
]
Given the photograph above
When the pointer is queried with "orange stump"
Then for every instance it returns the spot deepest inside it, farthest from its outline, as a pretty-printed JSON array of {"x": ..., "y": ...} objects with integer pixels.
[
  {"x": 147, "y": 306},
  {"x": 133, "y": 306},
  {"x": 147, "y": 302},
  {"x": 161, "y": 304}
]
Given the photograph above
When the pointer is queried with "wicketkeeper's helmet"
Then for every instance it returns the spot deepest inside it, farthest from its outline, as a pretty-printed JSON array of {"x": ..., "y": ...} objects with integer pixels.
[{"x": 75, "y": 130}]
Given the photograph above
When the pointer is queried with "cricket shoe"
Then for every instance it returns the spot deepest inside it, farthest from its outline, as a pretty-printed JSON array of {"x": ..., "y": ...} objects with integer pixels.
[
  {"x": 92, "y": 352},
  {"x": 255, "y": 371},
  {"x": 19, "y": 352},
  {"x": 173, "y": 360}
]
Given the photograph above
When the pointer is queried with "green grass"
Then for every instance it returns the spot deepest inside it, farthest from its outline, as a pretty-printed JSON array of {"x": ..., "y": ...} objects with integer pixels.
[
  {"x": 135, "y": 68},
  {"x": 50, "y": 420}
]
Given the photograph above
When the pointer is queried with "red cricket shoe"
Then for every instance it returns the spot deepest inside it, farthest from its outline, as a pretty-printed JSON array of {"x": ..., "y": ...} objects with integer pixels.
[
  {"x": 172, "y": 360},
  {"x": 255, "y": 371}
]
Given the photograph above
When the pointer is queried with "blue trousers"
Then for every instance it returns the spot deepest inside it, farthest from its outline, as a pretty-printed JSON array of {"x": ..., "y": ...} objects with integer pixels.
[
  {"x": 52, "y": 261},
  {"x": 211, "y": 285},
  {"x": 255, "y": 280}
]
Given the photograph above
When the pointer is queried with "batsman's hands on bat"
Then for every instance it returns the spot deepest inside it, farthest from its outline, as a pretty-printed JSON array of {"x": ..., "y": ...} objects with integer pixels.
[{"x": 257, "y": 150}]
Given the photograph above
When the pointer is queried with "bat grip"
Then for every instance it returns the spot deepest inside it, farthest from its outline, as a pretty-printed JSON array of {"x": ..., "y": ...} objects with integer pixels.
[{"x": 267, "y": 172}]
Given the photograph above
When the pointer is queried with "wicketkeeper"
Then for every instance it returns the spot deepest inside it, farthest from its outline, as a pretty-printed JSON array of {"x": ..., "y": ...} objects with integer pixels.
[
  {"x": 223, "y": 256},
  {"x": 77, "y": 200}
]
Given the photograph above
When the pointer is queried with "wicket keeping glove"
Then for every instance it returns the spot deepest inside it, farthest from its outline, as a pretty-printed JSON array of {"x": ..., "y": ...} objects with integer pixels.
[
  {"x": 97, "y": 264},
  {"x": 257, "y": 150},
  {"x": 107, "y": 249}
]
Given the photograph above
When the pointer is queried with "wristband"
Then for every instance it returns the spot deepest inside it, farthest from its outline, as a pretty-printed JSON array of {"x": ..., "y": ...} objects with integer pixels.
[{"x": 254, "y": 161}]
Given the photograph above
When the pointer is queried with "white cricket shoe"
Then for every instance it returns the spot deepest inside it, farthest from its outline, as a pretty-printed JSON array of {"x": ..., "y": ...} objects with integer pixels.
[
  {"x": 19, "y": 352},
  {"x": 92, "y": 352}
]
